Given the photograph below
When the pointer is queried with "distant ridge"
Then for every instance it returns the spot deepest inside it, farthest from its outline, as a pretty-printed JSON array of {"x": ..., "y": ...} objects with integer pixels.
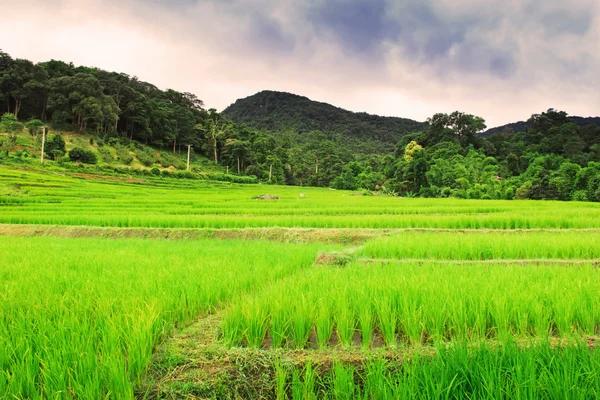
[
  {"x": 277, "y": 112},
  {"x": 522, "y": 126}
]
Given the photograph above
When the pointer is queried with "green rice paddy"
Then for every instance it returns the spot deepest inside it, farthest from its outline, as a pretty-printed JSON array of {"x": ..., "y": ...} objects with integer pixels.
[{"x": 443, "y": 298}]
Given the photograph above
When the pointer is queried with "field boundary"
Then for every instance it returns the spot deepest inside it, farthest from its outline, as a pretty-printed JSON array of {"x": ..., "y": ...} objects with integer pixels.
[{"x": 279, "y": 234}]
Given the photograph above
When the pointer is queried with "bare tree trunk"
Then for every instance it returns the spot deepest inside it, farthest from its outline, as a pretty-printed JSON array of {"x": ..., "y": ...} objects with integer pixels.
[
  {"x": 317, "y": 164},
  {"x": 174, "y": 144},
  {"x": 17, "y": 106},
  {"x": 270, "y": 172},
  {"x": 188, "y": 157},
  {"x": 238, "y": 160},
  {"x": 43, "y": 144},
  {"x": 214, "y": 143},
  {"x": 44, "y": 109}
]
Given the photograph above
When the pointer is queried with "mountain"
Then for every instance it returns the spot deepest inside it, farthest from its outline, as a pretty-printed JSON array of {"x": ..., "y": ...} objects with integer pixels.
[
  {"x": 521, "y": 126},
  {"x": 280, "y": 112}
]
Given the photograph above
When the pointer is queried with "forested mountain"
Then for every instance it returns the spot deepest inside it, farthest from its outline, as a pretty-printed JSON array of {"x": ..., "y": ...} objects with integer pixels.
[
  {"x": 522, "y": 126},
  {"x": 282, "y": 138},
  {"x": 281, "y": 112}
]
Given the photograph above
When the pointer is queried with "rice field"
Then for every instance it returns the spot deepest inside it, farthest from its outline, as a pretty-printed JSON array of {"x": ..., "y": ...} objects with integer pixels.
[
  {"x": 79, "y": 318},
  {"x": 443, "y": 298},
  {"x": 28, "y": 197},
  {"x": 413, "y": 304}
]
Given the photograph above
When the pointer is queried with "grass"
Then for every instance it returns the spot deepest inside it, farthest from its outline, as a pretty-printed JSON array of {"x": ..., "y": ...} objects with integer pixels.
[
  {"x": 485, "y": 246},
  {"x": 430, "y": 298},
  {"x": 538, "y": 371},
  {"x": 80, "y": 317},
  {"x": 29, "y": 197},
  {"x": 411, "y": 304}
]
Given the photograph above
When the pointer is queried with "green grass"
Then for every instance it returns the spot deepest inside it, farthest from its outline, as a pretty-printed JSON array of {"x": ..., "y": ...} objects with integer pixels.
[
  {"x": 455, "y": 306},
  {"x": 410, "y": 304},
  {"x": 28, "y": 197},
  {"x": 485, "y": 246},
  {"x": 463, "y": 372},
  {"x": 79, "y": 318}
]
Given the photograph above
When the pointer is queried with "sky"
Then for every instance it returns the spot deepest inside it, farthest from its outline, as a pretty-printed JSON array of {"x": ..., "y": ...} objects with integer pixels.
[{"x": 502, "y": 60}]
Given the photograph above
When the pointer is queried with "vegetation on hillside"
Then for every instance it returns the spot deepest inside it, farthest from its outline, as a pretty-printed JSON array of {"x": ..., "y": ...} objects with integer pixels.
[
  {"x": 299, "y": 117},
  {"x": 282, "y": 138}
]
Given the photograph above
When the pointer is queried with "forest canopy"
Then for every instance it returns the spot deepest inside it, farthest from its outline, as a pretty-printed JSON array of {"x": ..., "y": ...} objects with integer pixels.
[{"x": 288, "y": 139}]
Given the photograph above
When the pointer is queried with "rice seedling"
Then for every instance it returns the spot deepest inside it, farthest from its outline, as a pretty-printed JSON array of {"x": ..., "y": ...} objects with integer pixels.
[
  {"x": 423, "y": 302},
  {"x": 484, "y": 371},
  {"x": 486, "y": 246},
  {"x": 29, "y": 197},
  {"x": 80, "y": 317},
  {"x": 324, "y": 324}
]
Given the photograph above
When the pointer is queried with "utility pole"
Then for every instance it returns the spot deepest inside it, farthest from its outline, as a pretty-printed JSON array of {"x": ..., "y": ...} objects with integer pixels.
[
  {"x": 188, "y": 159},
  {"x": 43, "y": 143}
]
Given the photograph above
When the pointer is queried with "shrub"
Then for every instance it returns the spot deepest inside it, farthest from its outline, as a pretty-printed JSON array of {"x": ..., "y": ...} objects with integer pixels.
[
  {"x": 167, "y": 160},
  {"x": 106, "y": 155},
  {"x": 123, "y": 155},
  {"x": 155, "y": 171},
  {"x": 579, "y": 195},
  {"x": 523, "y": 191},
  {"x": 82, "y": 155},
  {"x": 446, "y": 192},
  {"x": 509, "y": 193},
  {"x": 55, "y": 147}
]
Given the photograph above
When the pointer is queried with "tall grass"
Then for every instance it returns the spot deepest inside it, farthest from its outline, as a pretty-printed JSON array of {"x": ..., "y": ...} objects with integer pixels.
[
  {"x": 44, "y": 198},
  {"x": 79, "y": 318},
  {"x": 486, "y": 246},
  {"x": 462, "y": 372},
  {"x": 416, "y": 303}
]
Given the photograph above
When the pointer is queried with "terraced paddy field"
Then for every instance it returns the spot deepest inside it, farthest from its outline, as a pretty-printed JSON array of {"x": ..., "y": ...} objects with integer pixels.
[{"x": 113, "y": 287}]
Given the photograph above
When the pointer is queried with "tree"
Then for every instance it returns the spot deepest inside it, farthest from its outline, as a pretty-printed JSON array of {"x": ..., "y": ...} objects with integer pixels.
[
  {"x": 55, "y": 147},
  {"x": 82, "y": 155},
  {"x": 458, "y": 125},
  {"x": 410, "y": 150},
  {"x": 10, "y": 125}
]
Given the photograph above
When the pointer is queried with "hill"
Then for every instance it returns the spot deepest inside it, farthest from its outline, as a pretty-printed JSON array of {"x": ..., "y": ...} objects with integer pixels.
[
  {"x": 521, "y": 126},
  {"x": 278, "y": 112}
]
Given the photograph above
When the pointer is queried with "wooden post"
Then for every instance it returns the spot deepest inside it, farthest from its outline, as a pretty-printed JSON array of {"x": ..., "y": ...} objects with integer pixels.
[
  {"x": 188, "y": 159},
  {"x": 43, "y": 143}
]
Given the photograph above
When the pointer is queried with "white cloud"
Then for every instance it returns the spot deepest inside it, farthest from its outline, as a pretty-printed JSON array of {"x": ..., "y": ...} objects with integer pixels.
[{"x": 505, "y": 61}]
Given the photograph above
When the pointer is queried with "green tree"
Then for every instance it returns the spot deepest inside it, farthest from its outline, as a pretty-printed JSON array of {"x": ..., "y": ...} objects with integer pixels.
[{"x": 55, "y": 147}]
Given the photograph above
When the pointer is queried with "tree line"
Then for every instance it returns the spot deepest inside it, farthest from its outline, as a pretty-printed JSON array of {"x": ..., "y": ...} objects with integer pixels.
[{"x": 553, "y": 158}]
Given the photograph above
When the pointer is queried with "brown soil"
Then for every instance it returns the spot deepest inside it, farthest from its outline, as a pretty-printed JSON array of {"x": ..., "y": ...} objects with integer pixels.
[
  {"x": 129, "y": 179},
  {"x": 288, "y": 235}
]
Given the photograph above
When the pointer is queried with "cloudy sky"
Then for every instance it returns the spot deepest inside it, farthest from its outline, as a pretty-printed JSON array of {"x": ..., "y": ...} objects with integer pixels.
[{"x": 499, "y": 59}]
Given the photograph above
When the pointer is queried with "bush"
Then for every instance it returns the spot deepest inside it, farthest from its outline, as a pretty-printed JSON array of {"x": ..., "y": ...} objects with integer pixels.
[
  {"x": 579, "y": 195},
  {"x": 55, "y": 147},
  {"x": 167, "y": 160},
  {"x": 232, "y": 178},
  {"x": 82, "y": 155},
  {"x": 146, "y": 156},
  {"x": 106, "y": 155},
  {"x": 446, "y": 192},
  {"x": 523, "y": 191},
  {"x": 123, "y": 155},
  {"x": 155, "y": 171}
]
